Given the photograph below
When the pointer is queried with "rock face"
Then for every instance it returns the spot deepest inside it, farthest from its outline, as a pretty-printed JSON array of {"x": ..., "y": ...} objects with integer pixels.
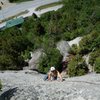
[
  {"x": 64, "y": 48},
  {"x": 75, "y": 41},
  {"x": 29, "y": 85},
  {"x": 33, "y": 63},
  {"x": 86, "y": 58}
]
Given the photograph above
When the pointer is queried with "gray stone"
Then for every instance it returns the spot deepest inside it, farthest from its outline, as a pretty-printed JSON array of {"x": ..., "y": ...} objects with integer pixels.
[
  {"x": 31, "y": 86},
  {"x": 34, "y": 61},
  {"x": 86, "y": 58},
  {"x": 79, "y": 98},
  {"x": 75, "y": 41},
  {"x": 64, "y": 48}
]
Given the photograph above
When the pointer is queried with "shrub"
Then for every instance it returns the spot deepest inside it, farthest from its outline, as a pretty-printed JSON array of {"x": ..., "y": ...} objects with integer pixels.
[
  {"x": 74, "y": 49},
  {"x": 93, "y": 56},
  {"x": 52, "y": 58},
  {"x": 26, "y": 54},
  {"x": 77, "y": 67},
  {"x": 85, "y": 44},
  {"x": 12, "y": 44},
  {"x": 89, "y": 42},
  {"x": 5, "y": 62},
  {"x": 97, "y": 65}
]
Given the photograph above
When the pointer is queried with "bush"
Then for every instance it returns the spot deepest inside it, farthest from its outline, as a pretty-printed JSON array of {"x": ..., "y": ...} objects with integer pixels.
[
  {"x": 85, "y": 44},
  {"x": 97, "y": 65},
  {"x": 7, "y": 62},
  {"x": 52, "y": 58},
  {"x": 12, "y": 44},
  {"x": 74, "y": 49},
  {"x": 93, "y": 56},
  {"x": 26, "y": 54},
  {"x": 89, "y": 43},
  {"x": 95, "y": 60},
  {"x": 77, "y": 67}
]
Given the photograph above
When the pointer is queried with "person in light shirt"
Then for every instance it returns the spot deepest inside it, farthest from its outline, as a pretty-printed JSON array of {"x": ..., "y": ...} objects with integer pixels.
[{"x": 53, "y": 74}]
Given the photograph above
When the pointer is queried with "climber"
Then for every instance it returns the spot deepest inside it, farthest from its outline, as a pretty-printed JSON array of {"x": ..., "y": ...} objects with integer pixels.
[{"x": 53, "y": 74}]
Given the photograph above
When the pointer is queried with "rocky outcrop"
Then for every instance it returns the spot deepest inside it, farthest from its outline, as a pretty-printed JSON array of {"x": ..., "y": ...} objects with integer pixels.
[
  {"x": 29, "y": 85},
  {"x": 64, "y": 48},
  {"x": 75, "y": 41},
  {"x": 34, "y": 61},
  {"x": 86, "y": 58}
]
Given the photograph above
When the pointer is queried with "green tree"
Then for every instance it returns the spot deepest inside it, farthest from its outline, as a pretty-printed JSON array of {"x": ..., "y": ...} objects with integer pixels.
[
  {"x": 77, "y": 66},
  {"x": 89, "y": 43},
  {"x": 74, "y": 49},
  {"x": 93, "y": 56},
  {"x": 13, "y": 43},
  {"x": 52, "y": 58},
  {"x": 97, "y": 65}
]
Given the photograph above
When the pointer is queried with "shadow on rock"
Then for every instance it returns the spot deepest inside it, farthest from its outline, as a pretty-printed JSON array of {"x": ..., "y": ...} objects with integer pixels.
[{"x": 8, "y": 94}]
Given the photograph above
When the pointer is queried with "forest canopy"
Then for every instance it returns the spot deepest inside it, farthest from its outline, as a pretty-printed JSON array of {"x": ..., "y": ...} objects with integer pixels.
[{"x": 75, "y": 18}]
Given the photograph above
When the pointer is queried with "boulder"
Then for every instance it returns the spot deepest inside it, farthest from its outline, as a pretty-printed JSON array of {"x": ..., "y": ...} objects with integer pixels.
[
  {"x": 75, "y": 41},
  {"x": 86, "y": 58},
  {"x": 64, "y": 48},
  {"x": 34, "y": 61}
]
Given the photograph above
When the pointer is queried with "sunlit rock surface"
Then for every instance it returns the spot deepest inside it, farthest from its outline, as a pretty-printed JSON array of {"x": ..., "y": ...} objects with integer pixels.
[{"x": 29, "y": 85}]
